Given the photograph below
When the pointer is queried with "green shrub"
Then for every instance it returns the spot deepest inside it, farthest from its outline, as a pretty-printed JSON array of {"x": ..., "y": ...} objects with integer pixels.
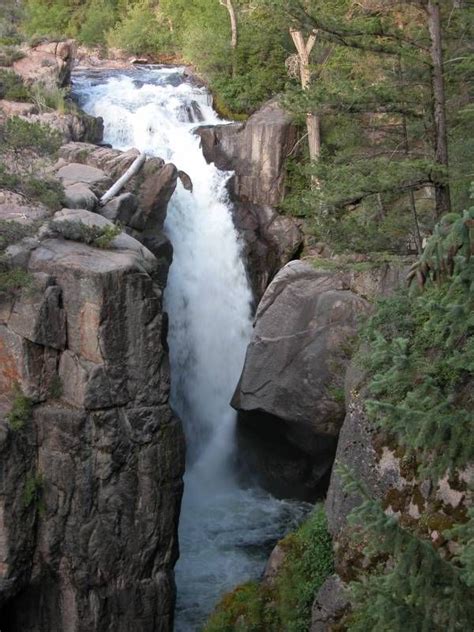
[
  {"x": 50, "y": 18},
  {"x": 49, "y": 98},
  {"x": 140, "y": 32},
  {"x": 286, "y": 605},
  {"x": 9, "y": 55},
  {"x": 97, "y": 236},
  {"x": 12, "y": 87},
  {"x": 46, "y": 191},
  {"x": 19, "y": 135},
  {"x": 421, "y": 355},
  {"x": 21, "y": 410},
  {"x": 33, "y": 491},
  {"x": 99, "y": 17}
]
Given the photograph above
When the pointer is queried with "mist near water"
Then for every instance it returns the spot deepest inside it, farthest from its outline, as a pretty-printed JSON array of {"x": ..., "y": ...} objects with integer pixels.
[{"x": 225, "y": 531}]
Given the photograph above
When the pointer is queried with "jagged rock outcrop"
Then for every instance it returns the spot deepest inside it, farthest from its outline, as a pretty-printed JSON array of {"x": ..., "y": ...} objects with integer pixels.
[
  {"x": 291, "y": 388},
  {"x": 270, "y": 241},
  {"x": 257, "y": 151},
  {"x": 90, "y": 482},
  {"x": 49, "y": 63},
  {"x": 141, "y": 206}
]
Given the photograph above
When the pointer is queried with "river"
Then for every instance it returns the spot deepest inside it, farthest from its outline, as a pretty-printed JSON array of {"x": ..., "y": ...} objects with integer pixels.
[{"x": 226, "y": 531}]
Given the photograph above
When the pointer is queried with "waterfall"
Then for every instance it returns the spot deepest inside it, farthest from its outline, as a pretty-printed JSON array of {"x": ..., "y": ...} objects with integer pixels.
[{"x": 225, "y": 531}]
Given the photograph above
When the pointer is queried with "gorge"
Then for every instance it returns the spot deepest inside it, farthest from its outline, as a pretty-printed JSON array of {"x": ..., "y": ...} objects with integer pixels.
[{"x": 225, "y": 530}]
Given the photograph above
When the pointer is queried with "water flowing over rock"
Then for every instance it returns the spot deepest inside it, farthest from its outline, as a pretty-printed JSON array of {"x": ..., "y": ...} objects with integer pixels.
[
  {"x": 291, "y": 392},
  {"x": 224, "y": 529},
  {"x": 257, "y": 151}
]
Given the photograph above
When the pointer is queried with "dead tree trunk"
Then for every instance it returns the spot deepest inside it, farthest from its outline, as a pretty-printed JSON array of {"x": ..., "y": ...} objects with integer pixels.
[
  {"x": 442, "y": 193},
  {"x": 304, "y": 49},
  {"x": 234, "y": 31}
]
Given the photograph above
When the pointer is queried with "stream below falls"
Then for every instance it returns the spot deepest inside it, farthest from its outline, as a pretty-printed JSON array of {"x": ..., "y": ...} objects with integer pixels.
[{"x": 226, "y": 531}]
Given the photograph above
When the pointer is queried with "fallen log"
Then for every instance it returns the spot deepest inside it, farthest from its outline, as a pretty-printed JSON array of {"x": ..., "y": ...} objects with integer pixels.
[{"x": 134, "y": 168}]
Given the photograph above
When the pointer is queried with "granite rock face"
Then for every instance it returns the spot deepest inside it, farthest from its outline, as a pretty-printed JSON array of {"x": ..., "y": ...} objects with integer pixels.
[
  {"x": 291, "y": 389},
  {"x": 91, "y": 482},
  {"x": 270, "y": 241},
  {"x": 257, "y": 151}
]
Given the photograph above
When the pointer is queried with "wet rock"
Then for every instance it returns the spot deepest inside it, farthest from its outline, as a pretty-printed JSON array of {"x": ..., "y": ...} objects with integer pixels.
[
  {"x": 270, "y": 242},
  {"x": 159, "y": 184},
  {"x": 256, "y": 150},
  {"x": 185, "y": 181},
  {"x": 80, "y": 196}
]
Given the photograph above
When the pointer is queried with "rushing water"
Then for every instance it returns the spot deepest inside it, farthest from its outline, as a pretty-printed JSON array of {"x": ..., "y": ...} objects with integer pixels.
[{"x": 225, "y": 531}]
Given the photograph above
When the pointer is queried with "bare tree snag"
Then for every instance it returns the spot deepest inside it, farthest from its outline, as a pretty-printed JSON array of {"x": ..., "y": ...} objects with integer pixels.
[
  {"x": 234, "y": 30},
  {"x": 304, "y": 49},
  {"x": 442, "y": 193}
]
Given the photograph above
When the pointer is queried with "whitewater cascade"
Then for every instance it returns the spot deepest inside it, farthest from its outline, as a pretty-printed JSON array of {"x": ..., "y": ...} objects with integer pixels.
[{"x": 224, "y": 530}]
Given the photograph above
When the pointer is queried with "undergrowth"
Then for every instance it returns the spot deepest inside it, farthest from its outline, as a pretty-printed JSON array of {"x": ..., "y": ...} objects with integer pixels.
[{"x": 284, "y": 606}]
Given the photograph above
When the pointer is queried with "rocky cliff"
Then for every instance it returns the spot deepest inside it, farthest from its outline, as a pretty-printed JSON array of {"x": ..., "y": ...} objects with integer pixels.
[
  {"x": 257, "y": 151},
  {"x": 92, "y": 457}
]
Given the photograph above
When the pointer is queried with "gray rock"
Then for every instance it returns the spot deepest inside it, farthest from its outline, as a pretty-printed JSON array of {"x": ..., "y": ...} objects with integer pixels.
[
  {"x": 270, "y": 242},
  {"x": 108, "y": 455},
  {"x": 121, "y": 208},
  {"x": 80, "y": 196},
  {"x": 292, "y": 383},
  {"x": 159, "y": 184},
  {"x": 356, "y": 451},
  {"x": 330, "y": 604},
  {"x": 273, "y": 565},
  {"x": 255, "y": 150},
  {"x": 94, "y": 178},
  {"x": 37, "y": 313},
  {"x": 185, "y": 181}
]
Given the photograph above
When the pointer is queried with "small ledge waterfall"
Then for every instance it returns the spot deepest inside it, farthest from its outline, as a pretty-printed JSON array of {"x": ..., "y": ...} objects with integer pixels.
[{"x": 225, "y": 531}]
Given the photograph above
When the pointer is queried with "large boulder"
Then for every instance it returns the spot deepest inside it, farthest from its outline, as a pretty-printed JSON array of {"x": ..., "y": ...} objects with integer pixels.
[
  {"x": 49, "y": 63},
  {"x": 256, "y": 150},
  {"x": 292, "y": 383}
]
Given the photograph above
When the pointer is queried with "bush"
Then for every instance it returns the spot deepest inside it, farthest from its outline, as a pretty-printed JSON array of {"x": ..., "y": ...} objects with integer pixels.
[
  {"x": 50, "y": 18},
  {"x": 33, "y": 491},
  {"x": 287, "y": 604},
  {"x": 21, "y": 410},
  {"x": 99, "y": 17},
  {"x": 140, "y": 31},
  {"x": 49, "y": 98},
  {"x": 17, "y": 135},
  {"x": 46, "y": 191},
  {"x": 9, "y": 55},
  {"x": 12, "y": 87}
]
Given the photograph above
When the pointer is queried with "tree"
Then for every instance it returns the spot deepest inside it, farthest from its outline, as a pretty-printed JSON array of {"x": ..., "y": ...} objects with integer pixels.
[
  {"x": 233, "y": 26},
  {"x": 388, "y": 115},
  {"x": 304, "y": 49}
]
